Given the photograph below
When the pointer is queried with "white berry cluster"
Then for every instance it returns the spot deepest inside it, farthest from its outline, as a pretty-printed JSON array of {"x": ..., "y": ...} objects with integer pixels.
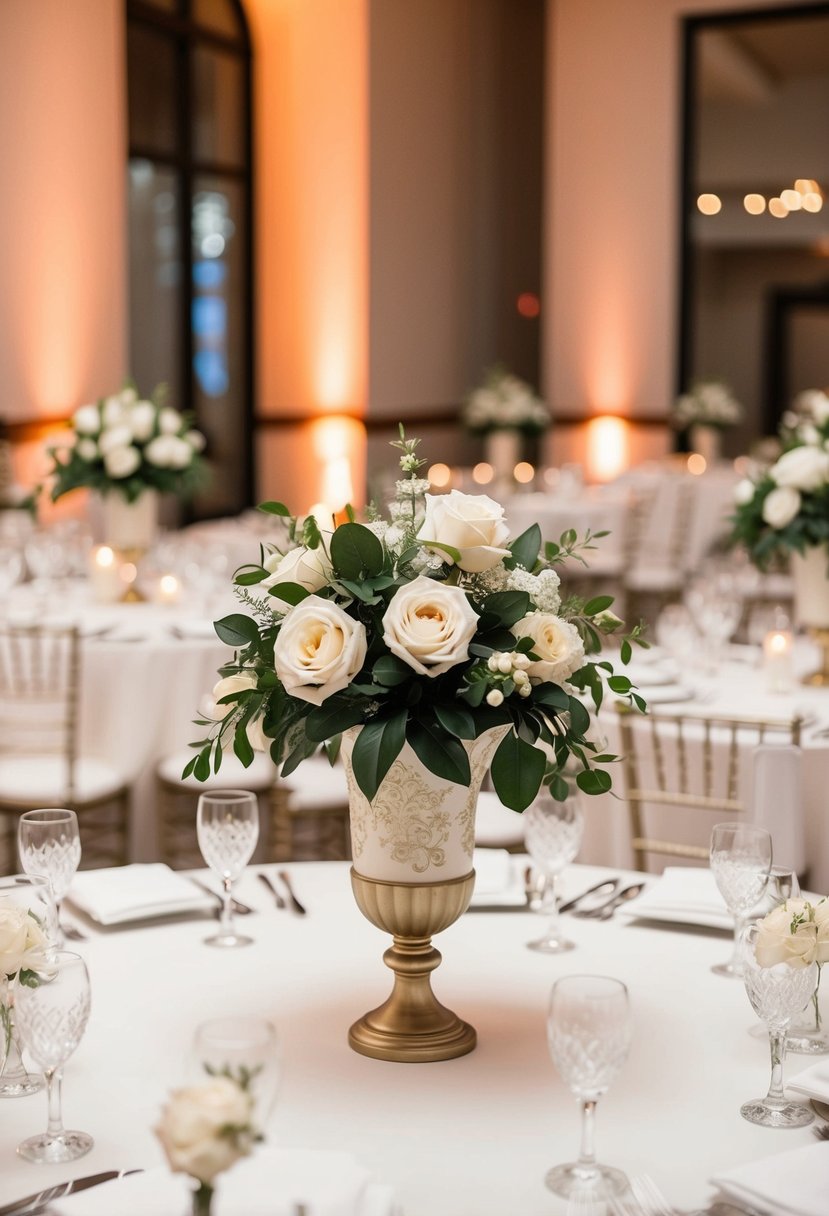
[{"x": 510, "y": 670}]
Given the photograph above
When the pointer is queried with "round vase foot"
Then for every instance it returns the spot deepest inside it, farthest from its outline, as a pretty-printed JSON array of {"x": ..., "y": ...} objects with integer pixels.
[{"x": 416, "y": 1046}]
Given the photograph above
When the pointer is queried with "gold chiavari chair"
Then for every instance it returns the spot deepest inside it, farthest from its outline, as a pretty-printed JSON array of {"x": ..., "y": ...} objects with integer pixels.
[
  {"x": 694, "y": 765},
  {"x": 309, "y": 814},
  {"x": 39, "y": 761}
]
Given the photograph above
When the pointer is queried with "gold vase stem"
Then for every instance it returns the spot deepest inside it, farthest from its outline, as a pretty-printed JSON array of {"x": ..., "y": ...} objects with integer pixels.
[{"x": 819, "y": 678}]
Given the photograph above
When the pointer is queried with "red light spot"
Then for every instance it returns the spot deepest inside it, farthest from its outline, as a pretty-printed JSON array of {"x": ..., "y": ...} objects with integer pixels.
[{"x": 528, "y": 304}]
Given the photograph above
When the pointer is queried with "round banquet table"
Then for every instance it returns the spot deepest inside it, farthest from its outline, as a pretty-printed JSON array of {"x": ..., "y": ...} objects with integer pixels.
[{"x": 468, "y": 1137}]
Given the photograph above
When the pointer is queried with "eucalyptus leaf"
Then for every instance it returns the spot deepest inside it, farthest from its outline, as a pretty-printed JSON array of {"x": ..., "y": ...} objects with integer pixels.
[
  {"x": 237, "y": 630},
  {"x": 525, "y": 549},
  {"x": 456, "y": 721},
  {"x": 594, "y": 781},
  {"x": 275, "y": 508},
  {"x": 376, "y": 748},
  {"x": 441, "y": 754},
  {"x": 332, "y": 718},
  {"x": 289, "y": 593},
  {"x": 517, "y": 772},
  {"x": 356, "y": 552}
]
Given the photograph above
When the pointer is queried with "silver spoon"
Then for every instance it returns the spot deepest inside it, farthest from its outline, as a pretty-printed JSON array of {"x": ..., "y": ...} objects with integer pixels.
[{"x": 607, "y": 910}]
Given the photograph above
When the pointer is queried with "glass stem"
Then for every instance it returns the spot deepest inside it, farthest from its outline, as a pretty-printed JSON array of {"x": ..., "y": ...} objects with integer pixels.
[
  {"x": 777, "y": 1044},
  {"x": 551, "y": 908},
  {"x": 226, "y": 922},
  {"x": 587, "y": 1152},
  {"x": 736, "y": 961},
  {"x": 53, "y": 1077}
]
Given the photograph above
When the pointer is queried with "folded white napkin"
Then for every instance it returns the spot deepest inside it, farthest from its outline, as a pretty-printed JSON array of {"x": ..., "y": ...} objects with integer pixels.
[
  {"x": 794, "y": 1183},
  {"x": 124, "y": 893},
  {"x": 814, "y": 1082},
  {"x": 496, "y": 880},
  {"x": 685, "y": 895},
  {"x": 269, "y": 1183}
]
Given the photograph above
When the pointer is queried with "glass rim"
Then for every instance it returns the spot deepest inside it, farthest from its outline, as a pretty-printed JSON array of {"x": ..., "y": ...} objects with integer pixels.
[
  {"x": 237, "y": 1037},
  {"x": 48, "y": 815},
  {"x": 611, "y": 980},
  {"x": 228, "y": 795}
]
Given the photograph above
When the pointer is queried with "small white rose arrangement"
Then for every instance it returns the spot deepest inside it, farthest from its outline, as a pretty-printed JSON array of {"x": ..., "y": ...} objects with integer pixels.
[
  {"x": 786, "y": 505},
  {"x": 24, "y": 951},
  {"x": 427, "y": 628},
  {"x": 128, "y": 445},
  {"x": 504, "y": 402},
  {"x": 707, "y": 403},
  {"x": 206, "y": 1129}
]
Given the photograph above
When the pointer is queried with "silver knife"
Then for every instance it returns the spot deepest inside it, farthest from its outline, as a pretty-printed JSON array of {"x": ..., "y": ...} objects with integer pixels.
[
  {"x": 41, "y": 1199},
  {"x": 295, "y": 904},
  {"x": 239, "y": 908}
]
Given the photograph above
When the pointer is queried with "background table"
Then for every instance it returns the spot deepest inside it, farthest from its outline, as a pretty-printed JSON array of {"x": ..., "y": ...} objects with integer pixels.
[{"x": 469, "y": 1137}]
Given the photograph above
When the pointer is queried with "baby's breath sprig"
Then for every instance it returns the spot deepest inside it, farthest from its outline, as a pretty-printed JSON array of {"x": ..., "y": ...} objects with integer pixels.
[{"x": 410, "y": 492}]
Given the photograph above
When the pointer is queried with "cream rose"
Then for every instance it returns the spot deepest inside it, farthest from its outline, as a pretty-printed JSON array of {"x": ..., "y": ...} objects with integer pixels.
[
  {"x": 170, "y": 421},
  {"x": 87, "y": 449},
  {"x": 429, "y": 626},
  {"x": 309, "y": 568},
  {"x": 142, "y": 420},
  {"x": 557, "y": 643},
  {"x": 224, "y": 688},
  {"x": 115, "y": 437},
  {"x": 122, "y": 462},
  {"x": 319, "y": 650},
  {"x": 161, "y": 451},
  {"x": 87, "y": 420},
  {"x": 196, "y": 440},
  {"x": 777, "y": 942},
  {"x": 22, "y": 941},
  {"x": 206, "y": 1129},
  {"x": 744, "y": 491},
  {"x": 803, "y": 468},
  {"x": 471, "y": 523},
  {"x": 115, "y": 410},
  {"x": 781, "y": 506}
]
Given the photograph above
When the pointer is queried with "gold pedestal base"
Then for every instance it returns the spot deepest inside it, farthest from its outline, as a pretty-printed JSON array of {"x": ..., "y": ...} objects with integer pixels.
[
  {"x": 129, "y": 572},
  {"x": 412, "y": 1026},
  {"x": 819, "y": 678}
]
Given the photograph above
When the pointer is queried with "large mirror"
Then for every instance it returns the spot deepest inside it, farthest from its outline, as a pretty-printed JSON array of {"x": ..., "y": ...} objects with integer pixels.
[{"x": 755, "y": 221}]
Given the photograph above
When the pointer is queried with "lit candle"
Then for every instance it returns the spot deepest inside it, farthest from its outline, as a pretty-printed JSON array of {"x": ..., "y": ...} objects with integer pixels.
[
  {"x": 777, "y": 660},
  {"x": 168, "y": 589},
  {"x": 103, "y": 574}
]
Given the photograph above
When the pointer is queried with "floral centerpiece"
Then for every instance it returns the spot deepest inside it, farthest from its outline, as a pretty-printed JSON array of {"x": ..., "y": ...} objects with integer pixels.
[
  {"x": 427, "y": 629},
  {"x": 706, "y": 410},
  {"x": 24, "y": 947},
  {"x": 504, "y": 409},
  {"x": 796, "y": 932},
  {"x": 206, "y": 1129}
]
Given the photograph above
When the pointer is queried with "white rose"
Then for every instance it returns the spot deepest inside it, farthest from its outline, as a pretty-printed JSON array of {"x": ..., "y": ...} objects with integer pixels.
[
  {"x": 170, "y": 421},
  {"x": 122, "y": 462},
  {"x": 115, "y": 411},
  {"x": 87, "y": 420},
  {"x": 142, "y": 420},
  {"x": 557, "y": 643},
  {"x": 193, "y": 1128},
  {"x": 180, "y": 452},
  {"x": 159, "y": 451},
  {"x": 223, "y": 688},
  {"x": 87, "y": 449},
  {"x": 816, "y": 403},
  {"x": 744, "y": 491},
  {"x": 23, "y": 944},
  {"x": 196, "y": 440},
  {"x": 803, "y": 468},
  {"x": 471, "y": 523},
  {"x": 115, "y": 437},
  {"x": 128, "y": 395},
  {"x": 809, "y": 433},
  {"x": 319, "y": 650},
  {"x": 781, "y": 506},
  {"x": 429, "y": 626},
  {"x": 307, "y": 567},
  {"x": 776, "y": 943}
]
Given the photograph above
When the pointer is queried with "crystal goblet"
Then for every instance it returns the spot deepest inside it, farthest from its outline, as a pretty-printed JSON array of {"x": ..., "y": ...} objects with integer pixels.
[
  {"x": 776, "y": 993},
  {"x": 244, "y": 1049},
  {"x": 741, "y": 855},
  {"x": 49, "y": 844},
  {"x": 51, "y": 1016},
  {"x": 227, "y": 825},
  {"x": 553, "y": 833},
  {"x": 589, "y": 1030}
]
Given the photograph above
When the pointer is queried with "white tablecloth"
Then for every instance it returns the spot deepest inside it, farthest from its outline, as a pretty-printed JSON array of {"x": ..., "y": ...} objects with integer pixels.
[{"x": 469, "y": 1137}]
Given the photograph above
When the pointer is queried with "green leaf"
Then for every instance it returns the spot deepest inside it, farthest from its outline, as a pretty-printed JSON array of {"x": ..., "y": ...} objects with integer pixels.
[
  {"x": 201, "y": 769},
  {"x": 378, "y": 745},
  {"x": 360, "y": 591},
  {"x": 559, "y": 788},
  {"x": 391, "y": 671},
  {"x": 625, "y": 652},
  {"x": 517, "y": 771},
  {"x": 551, "y": 697},
  {"x": 247, "y": 576},
  {"x": 237, "y": 630},
  {"x": 620, "y": 684},
  {"x": 507, "y": 606},
  {"x": 444, "y": 756},
  {"x": 579, "y": 717},
  {"x": 594, "y": 781},
  {"x": 525, "y": 549},
  {"x": 356, "y": 552},
  {"x": 241, "y": 745},
  {"x": 449, "y": 550},
  {"x": 311, "y": 535},
  {"x": 598, "y": 604},
  {"x": 289, "y": 593},
  {"x": 275, "y": 508},
  {"x": 188, "y": 768},
  {"x": 332, "y": 718},
  {"x": 457, "y": 721},
  {"x": 568, "y": 538}
]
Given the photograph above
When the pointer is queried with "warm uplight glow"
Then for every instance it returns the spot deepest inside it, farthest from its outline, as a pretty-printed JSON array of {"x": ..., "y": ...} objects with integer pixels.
[
  {"x": 812, "y": 202},
  {"x": 696, "y": 464},
  {"x": 528, "y": 304},
  {"x": 803, "y": 185},
  {"x": 778, "y": 208},
  {"x": 709, "y": 204},
  {"x": 754, "y": 204},
  {"x": 336, "y": 442},
  {"x": 790, "y": 199},
  {"x": 168, "y": 589},
  {"x": 483, "y": 473},
  {"x": 523, "y": 473},
  {"x": 104, "y": 557},
  {"x": 440, "y": 475},
  {"x": 607, "y": 448}
]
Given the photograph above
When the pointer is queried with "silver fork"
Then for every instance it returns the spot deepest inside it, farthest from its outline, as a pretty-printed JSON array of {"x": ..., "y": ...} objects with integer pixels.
[{"x": 821, "y": 1130}]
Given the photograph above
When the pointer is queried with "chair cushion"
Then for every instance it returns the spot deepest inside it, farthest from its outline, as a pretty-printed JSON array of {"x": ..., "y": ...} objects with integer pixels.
[
  {"x": 231, "y": 776},
  {"x": 316, "y": 786},
  {"x": 41, "y": 780},
  {"x": 496, "y": 826}
]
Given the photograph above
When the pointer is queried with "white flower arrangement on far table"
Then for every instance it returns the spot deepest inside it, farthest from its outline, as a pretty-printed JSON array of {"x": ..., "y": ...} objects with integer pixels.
[
  {"x": 707, "y": 403},
  {"x": 129, "y": 444},
  {"x": 504, "y": 403}
]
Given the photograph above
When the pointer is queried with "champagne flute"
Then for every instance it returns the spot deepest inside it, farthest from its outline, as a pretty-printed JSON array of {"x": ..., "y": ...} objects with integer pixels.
[
  {"x": 51, "y": 1017},
  {"x": 741, "y": 855},
  {"x": 553, "y": 833},
  {"x": 227, "y": 826},
  {"x": 777, "y": 994},
  {"x": 49, "y": 844},
  {"x": 589, "y": 1030}
]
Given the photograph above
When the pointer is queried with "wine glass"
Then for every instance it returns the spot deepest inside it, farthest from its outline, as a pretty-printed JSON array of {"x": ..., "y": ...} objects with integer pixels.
[
  {"x": 49, "y": 844},
  {"x": 741, "y": 863},
  {"x": 51, "y": 1017},
  {"x": 589, "y": 1030},
  {"x": 777, "y": 994},
  {"x": 244, "y": 1049},
  {"x": 227, "y": 825},
  {"x": 553, "y": 832}
]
